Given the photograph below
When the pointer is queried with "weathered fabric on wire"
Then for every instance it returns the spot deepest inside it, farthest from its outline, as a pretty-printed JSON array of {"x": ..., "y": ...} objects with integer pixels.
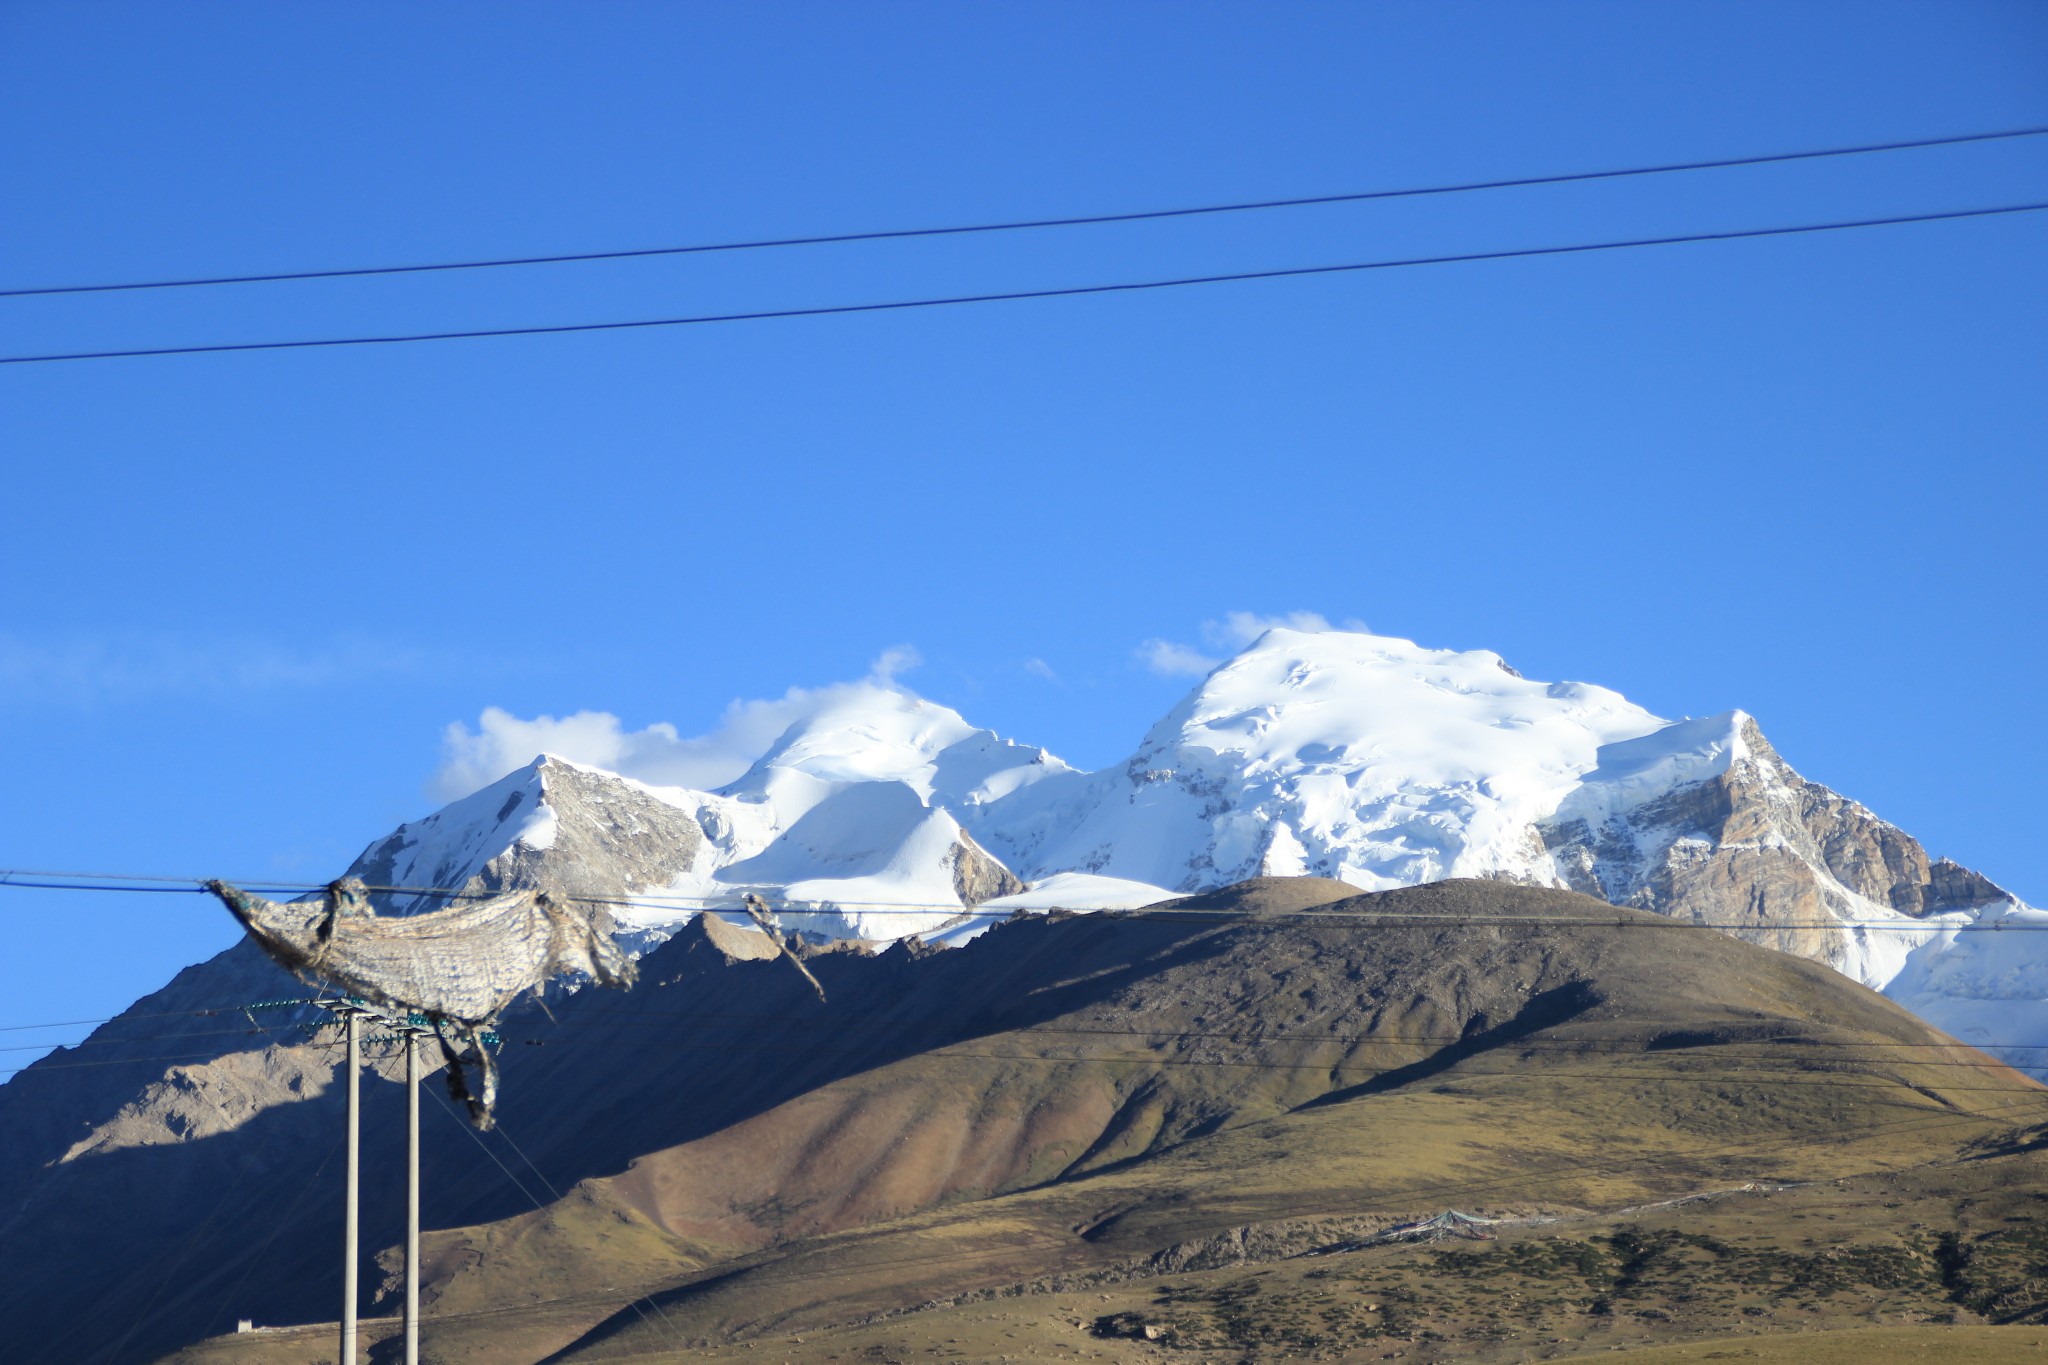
[
  {"x": 457, "y": 968},
  {"x": 757, "y": 910}
]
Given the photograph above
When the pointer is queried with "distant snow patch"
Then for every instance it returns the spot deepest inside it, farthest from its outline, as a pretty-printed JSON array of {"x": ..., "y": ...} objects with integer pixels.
[{"x": 1081, "y": 891}]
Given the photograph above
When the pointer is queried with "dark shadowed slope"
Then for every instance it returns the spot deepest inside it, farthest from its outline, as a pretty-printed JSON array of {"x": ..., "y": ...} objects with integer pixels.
[{"x": 1089, "y": 1095}]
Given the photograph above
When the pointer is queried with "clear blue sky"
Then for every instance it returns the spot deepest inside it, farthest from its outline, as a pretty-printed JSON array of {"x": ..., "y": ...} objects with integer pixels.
[{"x": 241, "y": 596}]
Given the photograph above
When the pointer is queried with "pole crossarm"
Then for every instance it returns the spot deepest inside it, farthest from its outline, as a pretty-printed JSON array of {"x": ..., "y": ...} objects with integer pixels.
[{"x": 410, "y": 1027}]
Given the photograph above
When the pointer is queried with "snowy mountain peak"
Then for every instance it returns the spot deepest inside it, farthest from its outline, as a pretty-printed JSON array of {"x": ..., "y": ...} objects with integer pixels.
[
  {"x": 877, "y": 734},
  {"x": 1344, "y": 754},
  {"x": 867, "y": 734},
  {"x": 1360, "y": 757},
  {"x": 1349, "y": 701}
]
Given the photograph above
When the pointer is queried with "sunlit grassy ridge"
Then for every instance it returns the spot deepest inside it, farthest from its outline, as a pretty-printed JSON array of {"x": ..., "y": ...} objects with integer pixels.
[{"x": 1157, "y": 1117}]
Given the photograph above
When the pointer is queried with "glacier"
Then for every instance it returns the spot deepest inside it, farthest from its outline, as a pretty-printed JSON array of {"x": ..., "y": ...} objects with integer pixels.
[{"x": 1334, "y": 753}]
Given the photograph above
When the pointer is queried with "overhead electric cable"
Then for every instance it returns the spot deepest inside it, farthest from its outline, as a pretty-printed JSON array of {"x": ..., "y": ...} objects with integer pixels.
[
  {"x": 788, "y": 1028},
  {"x": 1753, "y": 1074},
  {"x": 1803, "y": 1054},
  {"x": 756, "y": 1022},
  {"x": 1012, "y": 296},
  {"x": 990, "y": 1027},
  {"x": 1023, "y": 224},
  {"x": 249, "y": 1165},
  {"x": 520, "y": 1185},
  {"x": 1165, "y": 910},
  {"x": 277, "y": 1225},
  {"x": 42, "y": 1066},
  {"x": 160, "y": 1014},
  {"x": 135, "y": 1038},
  {"x": 1807, "y": 1057}
]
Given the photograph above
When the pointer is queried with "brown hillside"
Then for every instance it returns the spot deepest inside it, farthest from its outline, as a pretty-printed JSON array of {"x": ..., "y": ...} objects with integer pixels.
[{"x": 1091, "y": 1102}]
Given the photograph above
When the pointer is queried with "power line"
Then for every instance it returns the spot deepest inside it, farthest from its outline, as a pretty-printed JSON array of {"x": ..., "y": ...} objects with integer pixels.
[
  {"x": 760, "y": 1270},
  {"x": 1017, "y": 225},
  {"x": 161, "y": 1014},
  {"x": 277, "y": 1226},
  {"x": 1011, "y": 296},
  {"x": 996, "y": 1027},
  {"x": 1574, "y": 1048},
  {"x": 1360, "y": 1075},
  {"x": 841, "y": 1022},
  {"x": 1563, "y": 1172},
  {"x": 249, "y": 1164},
  {"x": 137, "y": 1038},
  {"x": 520, "y": 1185},
  {"x": 42, "y": 1066},
  {"x": 1166, "y": 910}
]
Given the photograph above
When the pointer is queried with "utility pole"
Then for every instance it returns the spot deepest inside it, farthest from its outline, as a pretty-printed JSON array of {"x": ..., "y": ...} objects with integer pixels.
[
  {"x": 352, "y": 1013},
  {"x": 412, "y": 1196},
  {"x": 348, "y": 1235}
]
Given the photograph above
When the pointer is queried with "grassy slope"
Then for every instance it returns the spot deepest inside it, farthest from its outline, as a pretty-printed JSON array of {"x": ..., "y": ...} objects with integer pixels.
[
  {"x": 1600, "y": 1067},
  {"x": 1801, "y": 1274}
]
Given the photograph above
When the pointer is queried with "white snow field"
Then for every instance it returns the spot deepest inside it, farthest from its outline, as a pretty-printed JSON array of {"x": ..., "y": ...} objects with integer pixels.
[{"x": 1334, "y": 753}]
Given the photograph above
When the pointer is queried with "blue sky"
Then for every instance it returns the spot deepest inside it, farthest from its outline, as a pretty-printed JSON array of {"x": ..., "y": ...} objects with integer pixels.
[{"x": 242, "y": 597}]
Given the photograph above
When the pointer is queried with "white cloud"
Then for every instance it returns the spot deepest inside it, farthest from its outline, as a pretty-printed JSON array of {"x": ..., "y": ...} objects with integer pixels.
[
  {"x": 1239, "y": 628},
  {"x": 1039, "y": 668},
  {"x": 659, "y": 753},
  {"x": 1170, "y": 660},
  {"x": 1231, "y": 634},
  {"x": 892, "y": 661}
]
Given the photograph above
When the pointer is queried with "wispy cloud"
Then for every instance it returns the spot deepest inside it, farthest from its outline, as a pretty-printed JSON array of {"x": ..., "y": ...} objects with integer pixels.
[
  {"x": 1239, "y": 628},
  {"x": 1039, "y": 668},
  {"x": 116, "y": 668},
  {"x": 658, "y": 753},
  {"x": 895, "y": 660},
  {"x": 1170, "y": 660},
  {"x": 1226, "y": 636}
]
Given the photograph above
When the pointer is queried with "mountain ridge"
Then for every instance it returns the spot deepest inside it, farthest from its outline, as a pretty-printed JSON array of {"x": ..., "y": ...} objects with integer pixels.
[
  {"x": 1102, "y": 1101},
  {"x": 1334, "y": 753},
  {"x": 888, "y": 819}
]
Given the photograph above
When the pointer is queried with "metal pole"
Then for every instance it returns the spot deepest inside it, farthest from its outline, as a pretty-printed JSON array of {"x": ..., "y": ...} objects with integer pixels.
[
  {"x": 412, "y": 1197},
  {"x": 348, "y": 1235}
]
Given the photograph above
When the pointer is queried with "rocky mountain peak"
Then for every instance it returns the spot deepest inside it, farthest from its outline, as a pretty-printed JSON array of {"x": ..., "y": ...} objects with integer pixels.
[
  {"x": 552, "y": 823},
  {"x": 1341, "y": 754}
]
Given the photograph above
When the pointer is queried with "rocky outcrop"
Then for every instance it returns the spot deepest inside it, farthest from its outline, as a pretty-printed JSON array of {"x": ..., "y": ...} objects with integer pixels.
[
  {"x": 586, "y": 833},
  {"x": 1778, "y": 859},
  {"x": 733, "y": 942},
  {"x": 977, "y": 876},
  {"x": 209, "y": 1098}
]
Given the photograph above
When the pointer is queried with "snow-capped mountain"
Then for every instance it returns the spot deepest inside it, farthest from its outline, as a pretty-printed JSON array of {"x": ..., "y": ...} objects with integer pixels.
[
  {"x": 1340, "y": 754},
  {"x": 882, "y": 815}
]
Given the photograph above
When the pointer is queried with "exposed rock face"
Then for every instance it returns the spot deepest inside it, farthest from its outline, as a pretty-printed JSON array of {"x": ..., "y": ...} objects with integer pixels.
[
  {"x": 735, "y": 942},
  {"x": 1759, "y": 848},
  {"x": 586, "y": 834},
  {"x": 1956, "y": 887},
  {"x": 721, "y": 1110},
  {"x": 58, "y": 1106},
  {"x": 202, "y": 1100},
  {"x": 1375, "y": 764},
  {"x": 977, "y": 877}
]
